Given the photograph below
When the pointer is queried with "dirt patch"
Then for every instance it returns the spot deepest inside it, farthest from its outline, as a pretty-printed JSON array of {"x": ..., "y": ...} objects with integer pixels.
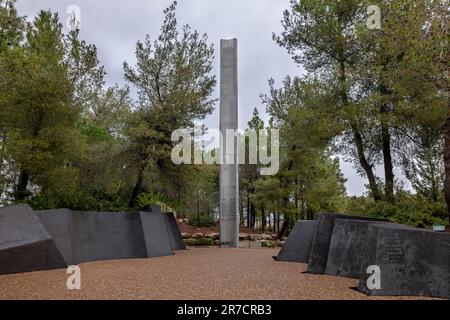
[{"x": 210, "y": 273}]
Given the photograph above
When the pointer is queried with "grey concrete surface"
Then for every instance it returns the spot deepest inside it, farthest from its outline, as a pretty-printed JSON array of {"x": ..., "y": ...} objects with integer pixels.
[
  {"x": 348, "y": 245},
  {"x": 59, "y": 224},
  {"x": 412, "y": 262},
  {"x": 107, "y": 236},
  {"x": 229, "y": 182},
  {"x": 49, "y": 239},
  {"x": 298, "y": 245},
  {"x": 156, "y": 236},
  {"x": 90, "y": 236},
  {"x": 25, "y": 245},
  {"x": 176, "y": 240},
  {"x": 319, "y": 252}
]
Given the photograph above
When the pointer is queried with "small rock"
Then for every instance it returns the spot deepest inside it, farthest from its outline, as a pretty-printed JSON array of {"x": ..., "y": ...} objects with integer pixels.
[
  {"x": 244, "y": 236},
  {"x": 262, "y": 236},
  {"x": 280, "y": 243},
  {"x": 197, "y": 235},
  {"x": 215, "y": 235},
  {"x": 186, "y": 235}
]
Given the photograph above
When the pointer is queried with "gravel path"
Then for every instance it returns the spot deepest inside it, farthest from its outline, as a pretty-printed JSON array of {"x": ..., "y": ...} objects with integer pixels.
[{"x": 207, "y": 273}]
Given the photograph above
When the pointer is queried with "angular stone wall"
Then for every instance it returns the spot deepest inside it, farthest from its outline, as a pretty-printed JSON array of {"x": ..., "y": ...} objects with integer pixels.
[
  {"x": 298, "y": 245},
  {"x": 108, "y": 236},
  {"x": 176, "y": 240},
  {"x": 412, "y": 262},
  {"x": 156, "y": 236},
  {"x": 90, "y": 236},
  {"x": 59, "y": 224},
  {"x": 319, "y": 252},
  {"x": 25, "y": 245},
  {"x": 348, "y": 248},
  {"x": 50, "y": 239}
]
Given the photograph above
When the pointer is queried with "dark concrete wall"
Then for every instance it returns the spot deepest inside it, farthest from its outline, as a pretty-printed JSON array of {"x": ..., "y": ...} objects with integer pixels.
[
  {"x": 155, "y": 232},
  {"x": 298, "y": 245},
  {"x": 321, "y": 244},
  {"x": 176, "y": 240},
  {"x": 107, "y": 236},
  {"x": 348, "y": 247},
  {"x": 89, "y": 236},
  {"x": 57, "y": 238},
  {"x": 25, "y": 245},
  {"x": 59, "y": 223},
  {"x": 412, "y": 261}
]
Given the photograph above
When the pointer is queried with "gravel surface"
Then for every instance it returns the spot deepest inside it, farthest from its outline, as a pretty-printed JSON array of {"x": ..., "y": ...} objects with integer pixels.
[{"x": 201, "y": 273}]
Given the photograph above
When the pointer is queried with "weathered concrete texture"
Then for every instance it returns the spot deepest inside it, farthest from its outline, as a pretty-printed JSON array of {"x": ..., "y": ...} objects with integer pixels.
[
  {"x": 413, "y": 262},
  {"x": 155, "y": 232},
  {"x": 321, "y": 244},
  {"x": 348, "y": 248},
  {"x": 59, "y": 224},
  {"x": 25, "y": 245},
  {"x": 229, "y": 185},
  {"x": 107, "y": 236},
  {"x": 57, "y": 238},
  {"x": 298, "y": 245},
  {"x": 176, "y": 240},
  {"x": 89, "y": 236}
]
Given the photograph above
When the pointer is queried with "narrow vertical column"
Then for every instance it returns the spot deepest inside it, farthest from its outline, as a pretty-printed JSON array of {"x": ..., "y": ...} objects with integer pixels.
[{"x": 229, "y": 169}]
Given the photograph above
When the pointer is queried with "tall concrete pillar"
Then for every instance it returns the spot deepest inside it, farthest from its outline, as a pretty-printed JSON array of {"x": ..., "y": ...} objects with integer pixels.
[{"x": 229, "y": 173}]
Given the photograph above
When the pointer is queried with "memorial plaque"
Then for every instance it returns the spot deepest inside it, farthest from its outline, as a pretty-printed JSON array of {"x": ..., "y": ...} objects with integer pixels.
[
  {"x": 321, "y": 245},
  {"x": 348, "y": 244},
  {"x": 412, "y": 261}
]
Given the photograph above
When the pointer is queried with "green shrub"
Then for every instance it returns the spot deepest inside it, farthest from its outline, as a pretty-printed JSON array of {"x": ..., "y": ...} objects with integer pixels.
[
  {"x": 149, "y": 198},
  {"x": 269, "y": 244},
  {"x": 413, "y": 210},
  {"x": 83, "y": 200},
  {"x": 199, "y": 242},
  {"x": 205, "y": 221}
]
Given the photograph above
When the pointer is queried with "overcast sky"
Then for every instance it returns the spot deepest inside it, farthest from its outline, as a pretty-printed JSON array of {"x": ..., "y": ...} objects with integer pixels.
[{"x": 115, "y": 26}]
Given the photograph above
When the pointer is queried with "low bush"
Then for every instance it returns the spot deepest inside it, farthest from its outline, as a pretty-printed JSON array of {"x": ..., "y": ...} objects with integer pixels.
[
  {"x": 413, "y": 210},
  {"x": 199, "y": 242},
  {"x": 205, "y": 221}
]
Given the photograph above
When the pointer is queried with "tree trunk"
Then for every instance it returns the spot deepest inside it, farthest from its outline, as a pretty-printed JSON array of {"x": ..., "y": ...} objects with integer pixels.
[
  {"x": 198, "y": 207},
  {"x": 138, "y": 187},
  {"x": 284, "y": 228},
  {"x": 21, "y": 190},
  {"x": 248, "y": 210},
  {"x": 387, "y": 158},
  {"x": 367, "y": 167},
  {"x": 263, "y": 221},
  {"x": 447, "y": 163},
  {"x": 278, "y": 222},
  {"x": 24, "y": 176},
  {"x": 359, "y": 143},
  {"x": 253, "y": 215},
  {"x": 386, "y": 147},
  {"x": 272, "y": 223}
]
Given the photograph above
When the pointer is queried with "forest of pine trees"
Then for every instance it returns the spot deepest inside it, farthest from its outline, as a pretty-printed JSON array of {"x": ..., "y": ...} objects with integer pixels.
[{"x": 375, "y": 98}]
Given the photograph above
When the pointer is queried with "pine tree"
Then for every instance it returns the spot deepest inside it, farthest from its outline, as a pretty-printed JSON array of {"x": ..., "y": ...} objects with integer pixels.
[{"x": 173, "y": 80}]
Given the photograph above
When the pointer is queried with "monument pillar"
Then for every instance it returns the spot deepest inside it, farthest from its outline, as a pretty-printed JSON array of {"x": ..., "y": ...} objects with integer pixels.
[{"x": 229, "y": 169}]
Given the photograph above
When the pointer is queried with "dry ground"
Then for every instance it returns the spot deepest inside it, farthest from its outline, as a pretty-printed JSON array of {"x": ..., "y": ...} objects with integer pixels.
[{"x": 201, "y": 273}]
